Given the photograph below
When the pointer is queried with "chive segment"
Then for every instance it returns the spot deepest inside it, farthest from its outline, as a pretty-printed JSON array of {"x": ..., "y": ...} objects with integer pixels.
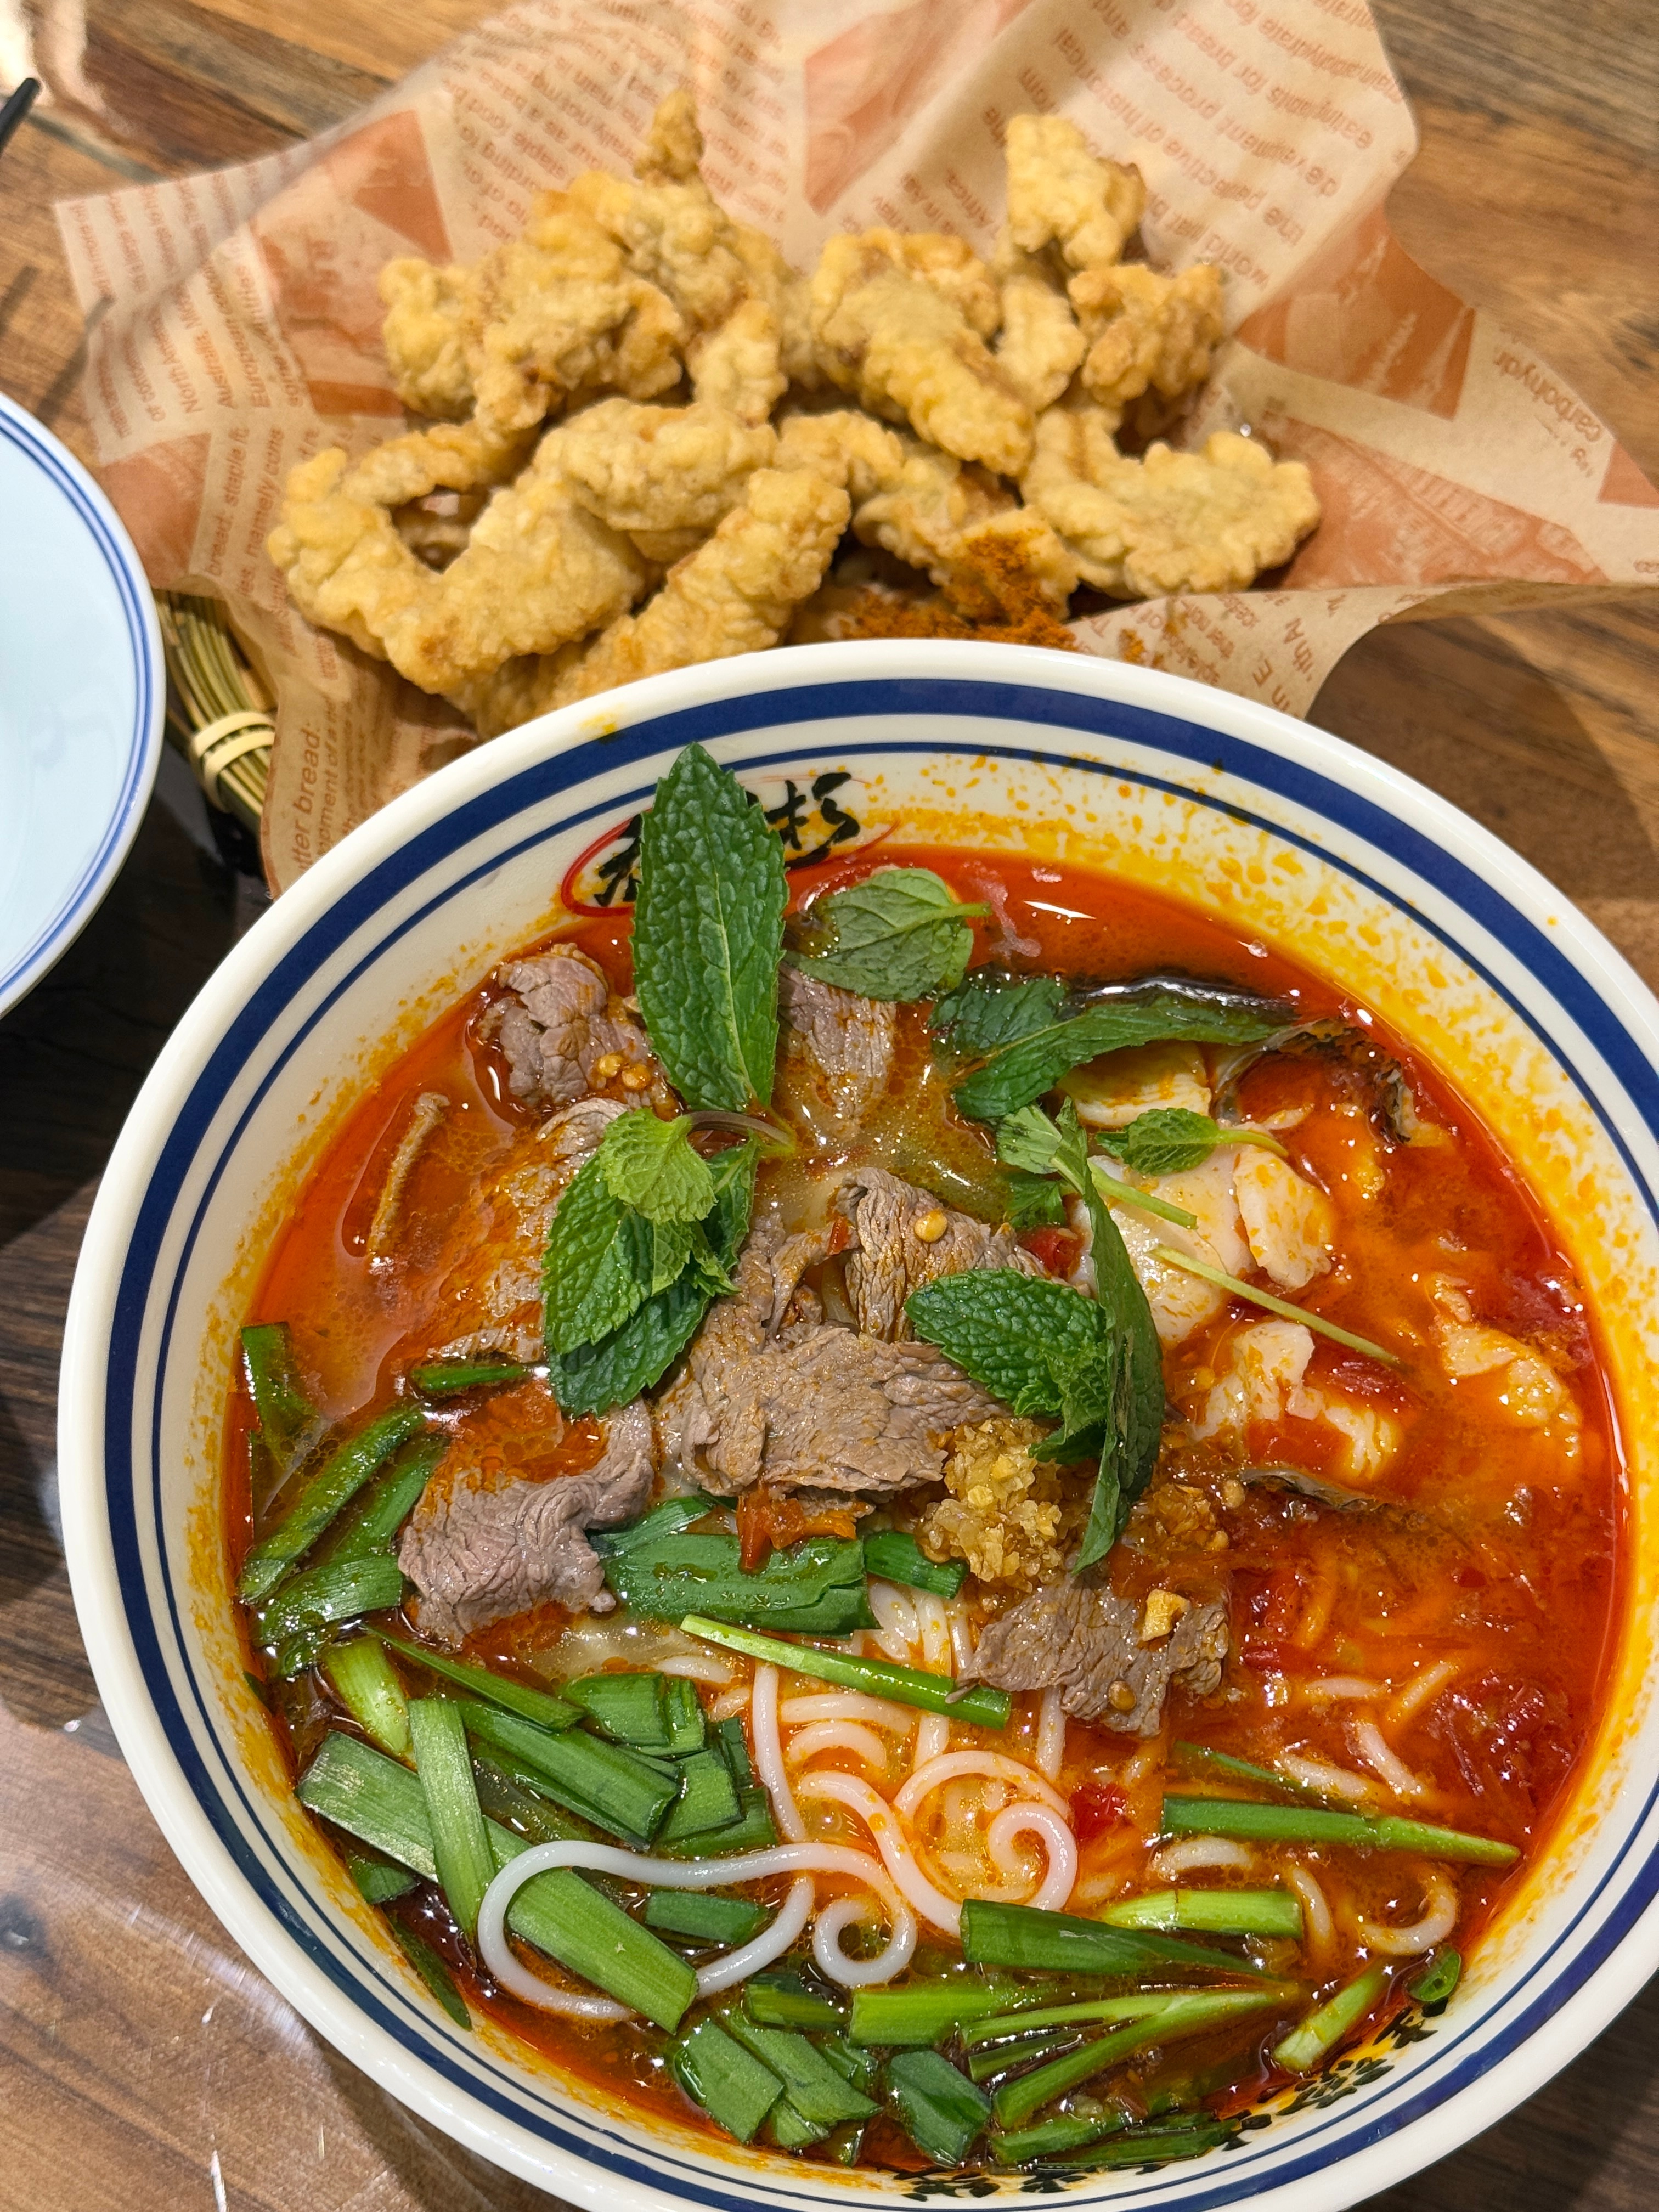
[
  {"x": 460, "y": 1843},
  {"x": 431, "y": 1971},
  {"x": 733, "y": 2087},
  {"x": 703, "y": 1917},
  {"x": 939, "y": 2109},
  {"x": 446, "y": 1378},
  {"x": 816, "y": 1586},
  {"x": 289, "y": 1424},
  {"x": 1058, "y": 1942},
  {"x": 1186, "y": 2013},
  {"x": 1439, "y": 1979},
  {"x": 613, "y": 1788},
  {"x": 334, "y": 1485},
  {"x": 752, "y": 1831},
  {"x": 1154, "y": 2145},
  {"x": 365, "y": 1682},
  {"x": 1302, "y": 2050},
  {"x": 1126, "y": 1194},
  {"x": 884, "y": 1678},
  {"x": 1066, "y": 2131},
  {"x": 818, "y": 2093},
  {"x": 707, "y": 1799},
  {"x": 897, "y": 1557},
  {"x": 377, "y": 1882},
  {"x": 627, "y": 1708},
  {"x": 687, "y": 1726},
  {"x": 1245, "y": 1770},
  {"x": 392, "y": 1498},
  {"x": 1089, "y": 2011},
  {"x": 784, "y": 1999},
  {"x": 538, "y": 1705},
  {"x": 1311, "y": 1824},
  {"x": 1282, "y": 1307},
  {"x": 992, "y": 2065},
  {"x": 926, "y": 2012},
  {"x": 1211, "y": 1912},
  {"x": 342, "y": 1589}
]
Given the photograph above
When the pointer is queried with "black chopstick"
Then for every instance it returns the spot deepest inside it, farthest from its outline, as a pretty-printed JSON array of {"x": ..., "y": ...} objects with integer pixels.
[{"x": 17, "y": 107}]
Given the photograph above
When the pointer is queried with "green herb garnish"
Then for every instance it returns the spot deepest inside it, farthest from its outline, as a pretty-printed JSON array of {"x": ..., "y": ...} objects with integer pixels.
[
  {"x": 987, "y": 1011},
  {"x": 901, "y": 933},
  {"x": 1172, "y": 1139},
  {"x": 1020, "y": 1073}
]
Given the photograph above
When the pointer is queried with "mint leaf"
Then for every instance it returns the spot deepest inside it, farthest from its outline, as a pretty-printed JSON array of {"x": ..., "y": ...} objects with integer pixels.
[
  {"x": 1016, "y": 1336},
  {"x": 987, "y": 1011},
  {"x": 901, "y": 934},
  {"x": 1034, "y": 1201},
  {"x": 591, "y": 1272},
  {"x": 1029, "y": 1140},
  {"x": 1166, "y": 1140},
  {"x": 1021, "y": 1073},
  {"x": 595, "y": 1377},
  {"x": 1134, "y": 1424},
  {"x": 649, "y": 1164},
  {"x": 709, "y": 935}
]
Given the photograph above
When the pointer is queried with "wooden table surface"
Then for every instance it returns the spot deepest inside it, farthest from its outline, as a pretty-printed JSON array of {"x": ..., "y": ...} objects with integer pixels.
[{"x": 145, "y": 2066}]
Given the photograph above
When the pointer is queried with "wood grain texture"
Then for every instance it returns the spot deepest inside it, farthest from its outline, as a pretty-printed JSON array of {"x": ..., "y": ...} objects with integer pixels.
[{"x": 145, "y": 2066}]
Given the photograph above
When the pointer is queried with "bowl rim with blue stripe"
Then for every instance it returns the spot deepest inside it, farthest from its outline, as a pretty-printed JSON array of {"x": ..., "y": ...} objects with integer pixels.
[
  {"x": 1274, "y": 827},
  {"x": 85, "y": 699}
]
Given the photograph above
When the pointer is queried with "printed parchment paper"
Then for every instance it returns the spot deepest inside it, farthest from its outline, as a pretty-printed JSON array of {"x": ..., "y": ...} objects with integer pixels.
[{"x": 235, "y": 323}]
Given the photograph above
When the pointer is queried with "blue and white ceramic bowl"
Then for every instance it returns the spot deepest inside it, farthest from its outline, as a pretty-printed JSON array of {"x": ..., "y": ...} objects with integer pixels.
[
  {"x": 1283, "y": 832},
  {"x": 82, "y": 693}
]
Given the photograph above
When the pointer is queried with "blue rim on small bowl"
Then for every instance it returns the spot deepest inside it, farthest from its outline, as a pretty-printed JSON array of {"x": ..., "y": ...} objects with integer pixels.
[
  {"x": 113, "y": 590},
  {"x": 1347, "y": 861}
]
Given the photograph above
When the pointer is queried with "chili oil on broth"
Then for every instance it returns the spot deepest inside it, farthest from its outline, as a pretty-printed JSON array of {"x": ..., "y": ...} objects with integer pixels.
[{"x": 1485, "y": 1552}]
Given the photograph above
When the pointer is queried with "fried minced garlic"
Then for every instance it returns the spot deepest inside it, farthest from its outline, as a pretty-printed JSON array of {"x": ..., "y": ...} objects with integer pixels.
[{"x": 1006, "y": 1516}]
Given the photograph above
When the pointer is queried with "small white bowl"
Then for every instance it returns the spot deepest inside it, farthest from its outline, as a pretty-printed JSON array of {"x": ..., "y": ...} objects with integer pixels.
[{"x": 1286, "y": 833}]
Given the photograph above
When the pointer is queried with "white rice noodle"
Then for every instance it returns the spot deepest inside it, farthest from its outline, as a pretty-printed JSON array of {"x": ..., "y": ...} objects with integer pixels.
[
  {"x": 962, "y": 1636},
  {"x": 1439, "y": 1918},
  {"x": 1318, "y": 1928},
  {"x": 735, "y": 1966},
  {"x": 1193, "y": 1852},
  {"x": 995, "y": 1764},
  {"x": 1051, "y": 1734},
  {"x": 933, "y": 1737},
  {"x": 878, "y": 1816},
  {"x": 696, "y": 1668},
  {"x": 730, "y": 1703},
  {"x": 842, "y": 1912},
  {"x": 900, "y": 1629},
  {"x": 676, "y": 1874},
  {"x": 1060, "y": 1846},
  {"x": 1368, "y": 1742},
  {"x": 1329, "y": 1780},
  {"x": 1148, "y": 1760},
  {"x": 1325, "y": 1689},
  {"x": 1422, "y": 1690},
  {"x": 933, "y": 1623},
  {"x": 848, "y": 1705},
  {"x": 866, "y": 1746},
  {"x": 769, "y": 1753}
]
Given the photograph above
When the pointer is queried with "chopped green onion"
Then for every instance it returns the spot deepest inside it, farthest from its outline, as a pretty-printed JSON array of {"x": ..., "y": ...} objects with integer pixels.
[
  {"x": 1189, "y": 2012},
  {"x": 371, "y": 1797},
  {"x": 926, "y": 2012},
  {"x": 1282, "y": 1307},
  {"x": 1058, "y": 1942},
  {"x": 939, "y": 2109},
  {"x": 899, "y": 1559},
  {"x": 1325, "y": 2027},
  {"x": 390, "y": 1500},
  {"x": 334, "y": 1485},
  {"x": 1211, "y": 1912},
  {"x": 790, "y": 2128},
  {"x": 1009, "y": 2056},
  {"x": 1089, "y": 2011},
  {"x": 1126, "y": 1193},
  {"x": 445, "y": 1378},
  {"x": 1439, "y": 1979},
  {"x": 905, "y": 1686},
  {"x": 733, "y": 2087},
  {"x": 673, "y": 1515},
  {"x": 613, "y": 1788},
  {"x": 707, "y": 1799},
  {"x": 688, "y": 1728},
  {"x": 538, "y": 1705},
  {"x": 379, "y": 1883},
  {"x": 1308, "y": 1824},
  {"x": 1066, "y": 2132},
  {"x": 734, "y": 1744},
  {"x": 516, "y": 1803},
  {"x": 783, "y": 1999},
  {"x": 860, "y": 2068},
  {"x": 322, "y": 1595},
  {"x": 818, "y": 2092},
  {"x": 752, "y": 1831},
  {"x": 817, "y": 1586},
  {"x": 1155, "y": 2146},
  {"x": 433, "y": 1972},
  {"x": 627, "y": 1708},
  {"x": 1244, "y": 1769},
  {"x": 289, "y": 1422},
  {"x": 704, "y": 1917},
  {"x": 365, "y": 1682},
  {"x": 460, "y": 1844}
]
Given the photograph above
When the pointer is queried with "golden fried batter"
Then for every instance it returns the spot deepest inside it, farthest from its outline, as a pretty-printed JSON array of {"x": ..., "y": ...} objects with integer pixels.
[
  {"x": 424, "y": 337},
  {"x": 1058, "y": 194},
  {"x": 789, "y": 296},
  {"x": 904, "y": 343},
  {"x": 652, "y": 471},
  {"x": 673, "y": 152},
  {"x": 1041, "y": 344},
  {"x": 1167, "y": 522},
  {"x": 738, "y": 366},
  {"x": 1145, "y": 330}
]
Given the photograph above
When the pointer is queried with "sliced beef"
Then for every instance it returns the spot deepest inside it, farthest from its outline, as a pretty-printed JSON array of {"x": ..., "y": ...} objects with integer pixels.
[
  {"x": 1086, "y": 1643},
  {"x": 838, "y": 1051},
  {"x": 490, "y": 1295},
  {"x": 807, "y": 1405},
  {"x": 479, "y": 1552},
  {"x": 562, "y": 1032},
  {"x": 903, "y": 1238}
]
